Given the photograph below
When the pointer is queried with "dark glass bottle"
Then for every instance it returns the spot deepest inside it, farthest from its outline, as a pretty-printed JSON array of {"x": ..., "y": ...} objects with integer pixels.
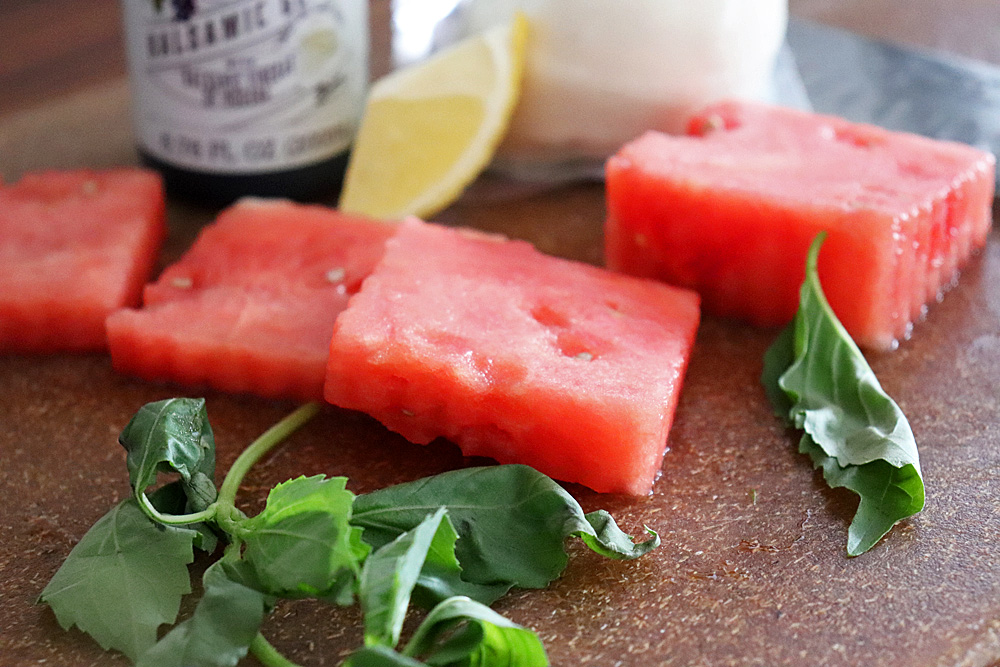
[
  {"x": 320, "y": 181},
  {"x": 247, "y": 97}
]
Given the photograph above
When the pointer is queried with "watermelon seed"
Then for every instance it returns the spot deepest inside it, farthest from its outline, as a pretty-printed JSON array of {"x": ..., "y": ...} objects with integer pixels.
[
  {"x": 854, "y": 137},
  {"x": 336, "y": 275},
  {"x": 408, "y": 413},
  {"x": 712, "y": 123},
  {"x": 576, "y": 346},
  {"x": 549, "y": 317},
  {"x": 182, "y": 283}
]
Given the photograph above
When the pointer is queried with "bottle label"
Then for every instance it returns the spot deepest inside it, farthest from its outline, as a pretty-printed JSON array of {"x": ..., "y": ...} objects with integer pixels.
[{"x": 246, "y": 86}]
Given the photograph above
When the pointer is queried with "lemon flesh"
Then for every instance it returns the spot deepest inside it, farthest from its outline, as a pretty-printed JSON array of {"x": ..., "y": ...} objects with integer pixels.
[{"x": 431, "y": 128}]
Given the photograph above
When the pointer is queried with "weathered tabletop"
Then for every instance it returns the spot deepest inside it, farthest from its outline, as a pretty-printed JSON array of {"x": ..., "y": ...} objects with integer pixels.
[{"x": 752, "y": 570}]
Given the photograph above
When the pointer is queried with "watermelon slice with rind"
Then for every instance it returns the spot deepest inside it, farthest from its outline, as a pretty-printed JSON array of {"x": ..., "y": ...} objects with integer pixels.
[{"x": 517, "y": 356}]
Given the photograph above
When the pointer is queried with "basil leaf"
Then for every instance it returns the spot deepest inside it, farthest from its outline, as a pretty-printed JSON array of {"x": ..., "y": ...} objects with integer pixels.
[
  {"x": 380, "y": 656},
  {"x": 777, "y": 360},
  {"x": 172, "y": 436},
  {"x": 607, "y": 539},
  {"x": 817, "y": 378},
  {"x": 888, "y": 494},
  {"x": 171, "y": 499},
  {"x": 512, "y": 522},
  {"x": 123, "y": 580},
  {"x": 219, "y": 632},
  {"x": 460, "y": 631},
  {"x": 485, "y": 644},
  {"x": 301, "y": 544},
  {"x": 391, "y": 572},
  {"x": 441, "y": 576}
]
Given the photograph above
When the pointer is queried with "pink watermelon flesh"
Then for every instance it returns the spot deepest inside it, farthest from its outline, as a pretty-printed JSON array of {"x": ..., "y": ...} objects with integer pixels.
[
  {"x": 251, "y": 306},
  {"x": 731, "y": 210},
  {"x": 517, "y": 356},
  {"x": 74, "y": 247}
]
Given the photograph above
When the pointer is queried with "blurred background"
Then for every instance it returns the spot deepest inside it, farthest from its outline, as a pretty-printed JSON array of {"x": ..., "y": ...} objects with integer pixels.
[
  {"x": 51, "y": 48},
  {"x": 967, "y": 27}
]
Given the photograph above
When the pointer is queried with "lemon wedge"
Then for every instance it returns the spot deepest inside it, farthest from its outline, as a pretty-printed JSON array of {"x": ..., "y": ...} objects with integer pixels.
[{"x": 429, "y": 129}]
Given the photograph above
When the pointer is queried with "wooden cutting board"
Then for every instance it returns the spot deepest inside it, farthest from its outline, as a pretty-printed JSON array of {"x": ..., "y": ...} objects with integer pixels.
[{"x": 752, "y": 570}]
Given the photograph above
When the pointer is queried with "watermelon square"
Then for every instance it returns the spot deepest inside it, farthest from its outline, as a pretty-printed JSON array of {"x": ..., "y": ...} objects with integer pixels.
[
  {"x": 730, "y": 211},
  {"x": 74, "y": 247},
  {"x": 516, "y": 356},
  {"x": 250, "y": 306}
]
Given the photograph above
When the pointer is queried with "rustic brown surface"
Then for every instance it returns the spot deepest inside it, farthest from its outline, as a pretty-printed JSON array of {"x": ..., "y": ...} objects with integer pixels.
[{"x": 752, "y": 570}]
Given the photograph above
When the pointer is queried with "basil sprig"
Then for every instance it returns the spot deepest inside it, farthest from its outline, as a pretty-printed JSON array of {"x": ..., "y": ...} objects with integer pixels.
[
  {"x": 816, "y": 377},
  {"x": 455, "y": 541},
  {"x": 497, "y": 510}
]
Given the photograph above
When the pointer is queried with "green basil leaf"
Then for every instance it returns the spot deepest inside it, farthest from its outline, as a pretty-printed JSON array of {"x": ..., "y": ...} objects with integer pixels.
[
  {"x": 441, "y": 576},
  {"x": 777, "y": 359},
  {"x": 172, "y": 436},
  {"x": 171, "y": 499},
  {"x": 219, "y": 632},
  {"x": 301, "y": 544},
  {"x": 380, "y": 656},
  {"x": 607, "y": 539},
  {"x": 487, "y": 645},
  {"x": 123, "y": 580},
  {"x": 817, "y": 378},
  {"x": 512, "y": 522},
  {"x": 887, "y": 493},
  {"x": 390, "y": 573},
  {"x": 463, "y": 632}
]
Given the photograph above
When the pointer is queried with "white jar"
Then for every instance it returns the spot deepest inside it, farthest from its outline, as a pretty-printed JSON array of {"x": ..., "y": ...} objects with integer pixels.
[{"x": 601, "y": 72}]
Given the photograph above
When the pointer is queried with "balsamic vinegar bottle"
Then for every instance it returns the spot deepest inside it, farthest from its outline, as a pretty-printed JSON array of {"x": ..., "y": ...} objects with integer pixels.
[{"x": 247, "y": 97}]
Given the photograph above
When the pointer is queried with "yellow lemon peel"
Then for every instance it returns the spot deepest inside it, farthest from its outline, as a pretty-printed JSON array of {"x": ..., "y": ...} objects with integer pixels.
[{"x": 431, "y": 128}]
